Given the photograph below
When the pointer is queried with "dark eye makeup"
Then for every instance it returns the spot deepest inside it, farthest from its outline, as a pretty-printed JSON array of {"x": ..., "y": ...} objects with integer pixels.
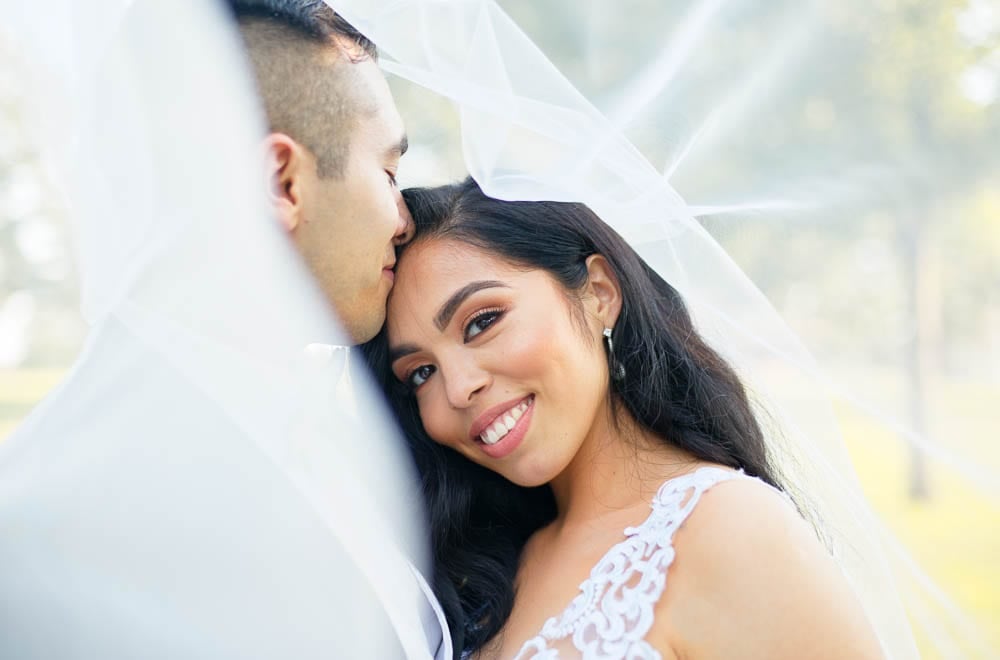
[{"x": 477, "y": 323}]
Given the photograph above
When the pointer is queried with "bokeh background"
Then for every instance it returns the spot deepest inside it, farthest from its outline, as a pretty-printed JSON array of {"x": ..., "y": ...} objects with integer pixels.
[{"x": 846, "y": 154}]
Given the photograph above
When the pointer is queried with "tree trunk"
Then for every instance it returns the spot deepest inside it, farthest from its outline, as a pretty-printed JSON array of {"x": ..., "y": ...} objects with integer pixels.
[{"x": 922, "y": 293}]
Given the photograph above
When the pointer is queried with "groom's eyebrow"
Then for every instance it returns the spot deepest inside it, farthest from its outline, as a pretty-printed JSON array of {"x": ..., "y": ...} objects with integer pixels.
[
  {"x": 400, "y": 147},
  {"x": 448, "y": 309}
]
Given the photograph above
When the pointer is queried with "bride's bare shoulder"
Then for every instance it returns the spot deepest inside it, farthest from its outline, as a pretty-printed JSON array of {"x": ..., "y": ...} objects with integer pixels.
[
  {"x": 748, "y": 509},
  {"x": 752, "y": 580}
]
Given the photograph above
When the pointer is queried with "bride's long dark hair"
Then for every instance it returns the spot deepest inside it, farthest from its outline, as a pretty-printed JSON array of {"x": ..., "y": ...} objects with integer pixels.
[{"x": 677, "y": 387}]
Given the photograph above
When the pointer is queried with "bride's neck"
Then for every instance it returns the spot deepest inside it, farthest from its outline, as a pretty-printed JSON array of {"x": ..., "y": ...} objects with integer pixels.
[{"x": 619, "y": 465}]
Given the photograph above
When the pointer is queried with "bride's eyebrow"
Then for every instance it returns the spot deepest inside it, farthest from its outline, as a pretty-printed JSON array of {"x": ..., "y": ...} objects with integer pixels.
[
  {"x": 447, "y": 311},
  {"x": 401, "y": 351},
  {"x": 449, "y": 308}
]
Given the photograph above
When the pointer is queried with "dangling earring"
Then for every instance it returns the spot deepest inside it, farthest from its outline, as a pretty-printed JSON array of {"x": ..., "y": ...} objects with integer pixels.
[{"x": 616, "y": 368}]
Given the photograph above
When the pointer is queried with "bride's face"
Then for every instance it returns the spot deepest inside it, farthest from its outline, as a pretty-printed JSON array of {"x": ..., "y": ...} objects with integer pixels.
[{"x": 505, "y": 369}]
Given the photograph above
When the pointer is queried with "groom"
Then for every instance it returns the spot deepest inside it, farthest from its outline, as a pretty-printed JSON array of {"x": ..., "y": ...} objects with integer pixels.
[
  {"x": 333, "y": 152},
  {"x": 139, "y": 515}
]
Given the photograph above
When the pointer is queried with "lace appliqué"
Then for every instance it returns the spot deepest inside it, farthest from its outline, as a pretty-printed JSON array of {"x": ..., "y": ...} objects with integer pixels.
[{"x": 611, "y": 615}]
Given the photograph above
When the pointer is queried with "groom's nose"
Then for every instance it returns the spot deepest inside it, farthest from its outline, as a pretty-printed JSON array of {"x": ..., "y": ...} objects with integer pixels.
[{"x": 405, "y": 232}]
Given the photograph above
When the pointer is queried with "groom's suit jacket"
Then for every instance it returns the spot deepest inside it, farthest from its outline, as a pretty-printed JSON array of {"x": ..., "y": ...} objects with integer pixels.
[
  {"x": 337, "y": 360},
  {"x": 173, "y": 541}
]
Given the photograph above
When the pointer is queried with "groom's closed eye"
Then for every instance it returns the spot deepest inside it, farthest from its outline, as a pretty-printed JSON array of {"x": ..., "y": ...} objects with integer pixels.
[{"x": 397, "y": 150}]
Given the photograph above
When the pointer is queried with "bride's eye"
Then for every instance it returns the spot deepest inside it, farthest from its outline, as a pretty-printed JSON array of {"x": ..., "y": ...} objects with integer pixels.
[
  {"x": 419, "y": 376},
  {"x": 481, "y": 321}
]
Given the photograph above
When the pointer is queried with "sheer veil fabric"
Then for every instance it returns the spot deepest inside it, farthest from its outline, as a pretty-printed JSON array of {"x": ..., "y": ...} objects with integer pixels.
[
  {"x": 528, "y": 133},
  {"x": 195, "y": 474},
  {"x": 195, "y": 488}
]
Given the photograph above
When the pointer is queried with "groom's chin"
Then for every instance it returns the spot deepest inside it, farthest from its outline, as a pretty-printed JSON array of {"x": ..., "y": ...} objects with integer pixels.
[{"x": 364, "y": 328}]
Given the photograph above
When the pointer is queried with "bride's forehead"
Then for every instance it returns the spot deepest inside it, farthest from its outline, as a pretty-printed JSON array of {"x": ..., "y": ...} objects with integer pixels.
[
  {"x": 430, "y": 271},
  {"x": 447, "y": 257}
]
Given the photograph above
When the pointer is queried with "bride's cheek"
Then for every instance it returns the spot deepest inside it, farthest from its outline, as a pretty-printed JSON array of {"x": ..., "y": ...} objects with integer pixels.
[
  {"x": 434, "y": 423},
  {"x": 524, "y": 344}
]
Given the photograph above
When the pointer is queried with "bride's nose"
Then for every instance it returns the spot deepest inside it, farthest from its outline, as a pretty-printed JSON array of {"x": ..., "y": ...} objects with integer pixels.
[{"x": 464, "y": 379}]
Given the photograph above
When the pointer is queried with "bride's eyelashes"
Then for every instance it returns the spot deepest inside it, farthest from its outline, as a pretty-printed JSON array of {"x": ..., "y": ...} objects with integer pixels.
[
  {"x": 480, "y": 321},
  {"x": 419, "y": 376}
]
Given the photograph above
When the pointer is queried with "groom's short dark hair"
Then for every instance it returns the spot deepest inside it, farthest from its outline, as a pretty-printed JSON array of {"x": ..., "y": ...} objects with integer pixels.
[{"x": 299, "y": 50}]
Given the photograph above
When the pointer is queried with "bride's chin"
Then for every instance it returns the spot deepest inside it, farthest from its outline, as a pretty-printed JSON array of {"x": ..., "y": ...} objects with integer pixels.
[{"x": 530, "y": 478}]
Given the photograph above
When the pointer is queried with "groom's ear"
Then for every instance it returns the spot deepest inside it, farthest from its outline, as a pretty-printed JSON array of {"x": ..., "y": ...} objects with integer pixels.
[{"x": 284, "y": 162}]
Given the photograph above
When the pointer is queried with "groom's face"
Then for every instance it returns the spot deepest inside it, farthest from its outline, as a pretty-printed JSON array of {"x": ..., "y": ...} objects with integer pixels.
[{"x": 354, "y": 220}]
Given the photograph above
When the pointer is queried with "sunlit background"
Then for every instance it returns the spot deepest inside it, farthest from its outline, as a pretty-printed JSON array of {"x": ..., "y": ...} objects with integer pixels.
[{"x": 847, "y": 155}]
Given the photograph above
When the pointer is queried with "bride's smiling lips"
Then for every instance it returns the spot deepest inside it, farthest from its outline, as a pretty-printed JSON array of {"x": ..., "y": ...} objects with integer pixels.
[{"x": 514, "y": 416}]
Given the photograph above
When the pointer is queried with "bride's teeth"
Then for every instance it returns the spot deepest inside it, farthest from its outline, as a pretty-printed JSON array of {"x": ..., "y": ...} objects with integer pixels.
[{"x": 502, "y": 426}]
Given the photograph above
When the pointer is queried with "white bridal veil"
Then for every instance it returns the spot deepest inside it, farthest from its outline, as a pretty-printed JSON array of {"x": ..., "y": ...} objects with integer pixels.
[
  {"x": 196, "y": 473},
  {"x": 747, "y": 116},
  {"x": 196, "y": 487}
]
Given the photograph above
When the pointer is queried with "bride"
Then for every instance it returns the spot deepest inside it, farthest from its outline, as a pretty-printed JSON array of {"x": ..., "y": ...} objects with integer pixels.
[{"x": 597, "y": 482}]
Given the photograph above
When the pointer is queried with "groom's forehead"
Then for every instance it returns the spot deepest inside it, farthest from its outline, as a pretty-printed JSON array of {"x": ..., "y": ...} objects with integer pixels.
[{"x": 374, "y": 110}]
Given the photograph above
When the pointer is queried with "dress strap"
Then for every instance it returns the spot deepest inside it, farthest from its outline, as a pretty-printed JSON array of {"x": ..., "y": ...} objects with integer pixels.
[
  {"x": 613, "y": 612},
  {"x": 677, "y": 498}
]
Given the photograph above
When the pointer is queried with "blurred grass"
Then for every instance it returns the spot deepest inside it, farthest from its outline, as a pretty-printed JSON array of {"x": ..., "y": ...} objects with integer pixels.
[
  {"x": 20, "y": 390},
  {"x": 954, "y": 535}
]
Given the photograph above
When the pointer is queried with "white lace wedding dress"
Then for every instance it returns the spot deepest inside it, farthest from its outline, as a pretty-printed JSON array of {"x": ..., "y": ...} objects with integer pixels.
[{"x": 610, "y": 617}]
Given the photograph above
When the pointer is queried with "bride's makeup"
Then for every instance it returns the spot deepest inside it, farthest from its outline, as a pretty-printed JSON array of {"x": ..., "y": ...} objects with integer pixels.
[{"x": 496, "y": 359}]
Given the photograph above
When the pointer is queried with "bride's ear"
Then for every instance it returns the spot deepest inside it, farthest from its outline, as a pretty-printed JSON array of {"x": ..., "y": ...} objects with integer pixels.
[
  {"x": 603, "y": 287},
  {"x": 283, "y": 160}
]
